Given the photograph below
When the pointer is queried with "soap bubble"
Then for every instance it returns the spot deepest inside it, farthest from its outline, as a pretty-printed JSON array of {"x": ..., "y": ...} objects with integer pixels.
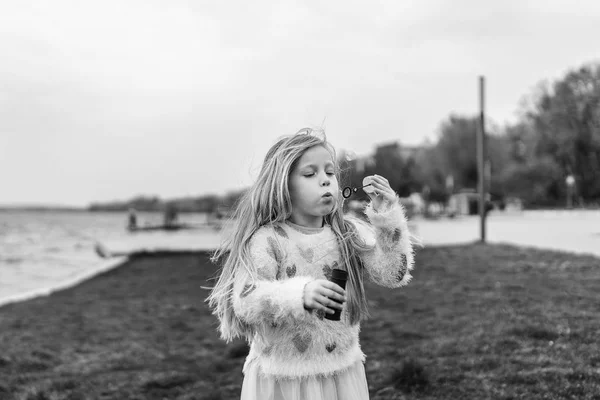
[{"x": 347, "y": 192}]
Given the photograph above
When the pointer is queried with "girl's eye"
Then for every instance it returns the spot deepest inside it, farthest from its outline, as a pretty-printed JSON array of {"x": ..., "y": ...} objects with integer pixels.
[
  {"x": 309, "y": 175},
  {"x": 330, "y": 173}
]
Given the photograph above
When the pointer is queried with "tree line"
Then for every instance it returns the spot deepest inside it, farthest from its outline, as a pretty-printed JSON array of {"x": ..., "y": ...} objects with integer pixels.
[{"x": 557, "y": 134}]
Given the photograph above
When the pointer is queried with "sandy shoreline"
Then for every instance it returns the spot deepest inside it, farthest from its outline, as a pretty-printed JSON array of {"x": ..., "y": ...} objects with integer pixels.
[
  {"x": 45, "y": 291},
  {"x": 572, "y": 231}
]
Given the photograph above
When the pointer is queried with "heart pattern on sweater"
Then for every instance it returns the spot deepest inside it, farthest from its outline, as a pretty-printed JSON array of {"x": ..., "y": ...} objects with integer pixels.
[
  {"x": 267, "y": 310},
  {"x": 264, "y": 273},
  {"x": 320, "y": 314},
  {"x": 273, "y": 250},
  {"x": 302, "y": 341},
  {"x": 327, "y": 271},
  {"x": 331, "y": 347},
  {"x": 280, "y": 231},
  {"x": 307, "y": 254},
  {"x": 247, "y": 290},
  {"x": 291, "y": 271},
  {"x": 268, "y": 350},
  {"x": 396, "y": 235},
  {"x": 388, "y": 238},
  {"x": 403, "y": 267}
]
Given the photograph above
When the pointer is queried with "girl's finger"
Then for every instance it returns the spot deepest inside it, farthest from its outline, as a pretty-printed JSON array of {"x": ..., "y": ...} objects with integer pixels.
[
  {"x": 388, "y": 194},
  {"x": 332, "y": 304},
  {"x": 315, "y": 304},
  {"x": 381, "y": 181},
  {"x": 377, "y": 184},
  {"x": 382, "y": 187},
  {"x": 333, "y": 295},
  {"x": 327, "y": 310},
  {"x": 379, "y": 176},
  {"x": 333, "y": 287},
  {"x": 326, "y": 304}
]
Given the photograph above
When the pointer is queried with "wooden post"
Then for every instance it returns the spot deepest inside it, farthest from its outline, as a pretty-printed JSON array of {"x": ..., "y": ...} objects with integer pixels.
[{"x": 481, "y": 158}]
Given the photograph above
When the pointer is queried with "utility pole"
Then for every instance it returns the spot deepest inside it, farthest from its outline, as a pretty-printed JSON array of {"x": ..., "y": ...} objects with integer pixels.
[
  {"x": 570, "y": 180},
  {"x": 481, "y": 158}
]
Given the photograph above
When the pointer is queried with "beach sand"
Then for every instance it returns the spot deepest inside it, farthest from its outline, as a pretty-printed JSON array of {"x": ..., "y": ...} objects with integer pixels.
[{"x": 478, "y": 321}]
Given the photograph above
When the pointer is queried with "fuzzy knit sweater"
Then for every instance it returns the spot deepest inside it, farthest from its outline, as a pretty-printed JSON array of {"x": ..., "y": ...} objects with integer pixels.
[{"x": 290, "y": 341}]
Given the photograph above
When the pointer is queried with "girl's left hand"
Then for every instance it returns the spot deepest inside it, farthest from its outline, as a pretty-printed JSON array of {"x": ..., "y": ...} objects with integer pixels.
[{"x": 383, "y": 196}]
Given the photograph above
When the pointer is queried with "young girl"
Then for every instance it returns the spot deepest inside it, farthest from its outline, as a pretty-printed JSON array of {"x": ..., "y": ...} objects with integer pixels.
[{"x": 274, "y": 291}]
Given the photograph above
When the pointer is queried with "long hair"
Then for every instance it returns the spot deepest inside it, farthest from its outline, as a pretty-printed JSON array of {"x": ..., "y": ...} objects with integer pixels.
[{"x": 268, "y": 201}]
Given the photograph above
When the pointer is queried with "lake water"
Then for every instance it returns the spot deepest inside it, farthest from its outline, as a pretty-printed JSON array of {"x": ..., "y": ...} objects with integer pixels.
[{"x": 44, "y": 251}]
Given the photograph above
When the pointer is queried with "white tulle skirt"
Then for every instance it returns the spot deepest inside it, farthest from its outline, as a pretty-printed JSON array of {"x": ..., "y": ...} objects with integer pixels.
[{"x": 350, "y": 384}]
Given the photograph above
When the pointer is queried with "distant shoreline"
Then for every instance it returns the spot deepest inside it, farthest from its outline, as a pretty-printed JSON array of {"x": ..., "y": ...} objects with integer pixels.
[
  {"x": 42, "y": 208},
  {"x": 86, "y": 210}
]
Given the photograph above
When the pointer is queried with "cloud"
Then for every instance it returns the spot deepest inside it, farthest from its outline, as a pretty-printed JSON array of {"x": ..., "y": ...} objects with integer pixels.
[{"x": 110, "y": 99}]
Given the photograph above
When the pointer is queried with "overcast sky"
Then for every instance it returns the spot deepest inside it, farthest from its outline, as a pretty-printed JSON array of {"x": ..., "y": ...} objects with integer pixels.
[{"x": 110, "y": 99}]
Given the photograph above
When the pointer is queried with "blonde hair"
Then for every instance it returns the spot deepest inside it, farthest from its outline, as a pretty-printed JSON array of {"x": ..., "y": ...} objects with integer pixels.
[{"x": 268, "y": 201}]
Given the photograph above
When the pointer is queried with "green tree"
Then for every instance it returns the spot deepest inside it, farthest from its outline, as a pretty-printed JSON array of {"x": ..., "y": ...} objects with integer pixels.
[
  {"x": 456, "y": 152},
  {"x": 534, "y": 182},
  {"x": 565, "y": 116}
]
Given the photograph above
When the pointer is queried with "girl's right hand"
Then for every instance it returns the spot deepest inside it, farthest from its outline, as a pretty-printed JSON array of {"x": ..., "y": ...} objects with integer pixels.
[{"x": 318, "y": 295}]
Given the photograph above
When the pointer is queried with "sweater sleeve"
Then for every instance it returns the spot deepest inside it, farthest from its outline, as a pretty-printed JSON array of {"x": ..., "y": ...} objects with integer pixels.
[
  {"x": 390, "y": 260},
  {"x": 269, "y": 298}
]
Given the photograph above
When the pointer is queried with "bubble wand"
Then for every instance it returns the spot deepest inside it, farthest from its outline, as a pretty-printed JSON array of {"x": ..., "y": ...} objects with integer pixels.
[{"x": 348, "y": 191}]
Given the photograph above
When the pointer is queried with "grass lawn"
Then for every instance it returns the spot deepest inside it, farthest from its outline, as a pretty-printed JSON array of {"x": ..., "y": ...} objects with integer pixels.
[{"x": 477, "y": 322}]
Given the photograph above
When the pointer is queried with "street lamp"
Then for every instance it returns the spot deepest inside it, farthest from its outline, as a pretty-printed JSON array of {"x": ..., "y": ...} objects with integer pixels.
[{"x": 570, "y": 181}]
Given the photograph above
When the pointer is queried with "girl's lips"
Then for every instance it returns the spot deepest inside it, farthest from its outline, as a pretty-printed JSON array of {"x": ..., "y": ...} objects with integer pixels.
[{"x": 327, "y": 197}]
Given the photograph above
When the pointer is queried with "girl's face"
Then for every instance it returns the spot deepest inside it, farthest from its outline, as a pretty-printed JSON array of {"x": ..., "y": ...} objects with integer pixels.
[{"x": 313, "y": 187}]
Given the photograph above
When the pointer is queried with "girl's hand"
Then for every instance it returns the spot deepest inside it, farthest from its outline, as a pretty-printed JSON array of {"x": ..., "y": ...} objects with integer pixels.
[
  {"x": 318, "y": 295},
  {"x": 383, "y": 196}
]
